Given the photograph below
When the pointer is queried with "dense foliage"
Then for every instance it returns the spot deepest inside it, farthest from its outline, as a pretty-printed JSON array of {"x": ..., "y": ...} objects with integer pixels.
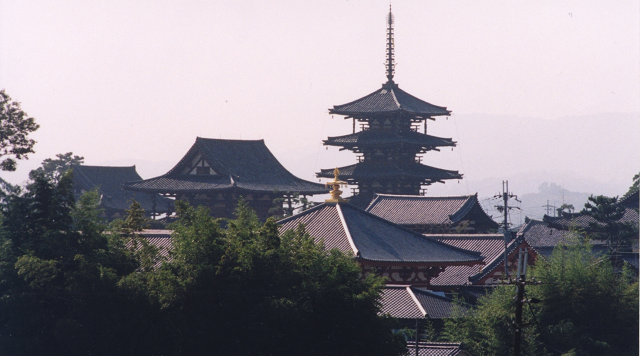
[
  {"x": 586, "y": 309},
  {"x": 607, "y": 211},
  {"x": 15, "y": 127},
  {"x": 69, "y": 285}
]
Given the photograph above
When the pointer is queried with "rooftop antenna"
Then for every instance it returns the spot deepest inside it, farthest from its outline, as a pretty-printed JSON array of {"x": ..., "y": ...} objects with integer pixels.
[{"x": 390, "y": 60}]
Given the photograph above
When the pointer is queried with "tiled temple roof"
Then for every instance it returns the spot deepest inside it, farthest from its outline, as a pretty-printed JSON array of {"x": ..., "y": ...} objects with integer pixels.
[
  {"x": 241, "y": 164},
  {"x": 371, "y": 238},
  {"x": 406, "y": 302},
  {"x": 436, "y": 349},
  {"x": 381, "y": 138},
  {"x": 109, "y": 180},
  {"x": 491, "y": 248},
  {"x": 365, "y": 170},
  {"x": 389, "y": 99},
  {"x": 579, "y": 220},
  {"x": 426, "y": 210},
  {"x": 544, "y": 238}
]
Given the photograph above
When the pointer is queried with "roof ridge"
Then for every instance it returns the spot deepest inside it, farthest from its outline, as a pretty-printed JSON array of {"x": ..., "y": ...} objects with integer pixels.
[
  {"x": 393, "y": 95},
  {"x": 423, "y": 196},
  {"x": 346, "y": 231},
  {"x": 415, "y": 300}
]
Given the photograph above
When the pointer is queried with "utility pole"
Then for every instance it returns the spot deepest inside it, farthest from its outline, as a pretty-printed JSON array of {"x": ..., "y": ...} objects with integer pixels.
[
  {"x": 520, "y": 283},
  {"x": 417, "y": 335},
  {"x": 505, "y": 224},
  {"x": 548, "y": 207}
]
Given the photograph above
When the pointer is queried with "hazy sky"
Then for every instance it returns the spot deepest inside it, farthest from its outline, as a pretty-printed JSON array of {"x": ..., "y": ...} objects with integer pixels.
[{"x": 545, "y": 86}]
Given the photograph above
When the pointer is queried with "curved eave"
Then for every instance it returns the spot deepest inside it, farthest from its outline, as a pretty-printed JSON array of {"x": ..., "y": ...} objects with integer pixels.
[
  {"x": 136, "y": 186},
  {"x": 390, "y": 100},
  {"x": 367, "y": 114},
  {"x": 419, "y": 263},
  {"x": 361, "y": 139},
  {"x": 436, "y": 174}
]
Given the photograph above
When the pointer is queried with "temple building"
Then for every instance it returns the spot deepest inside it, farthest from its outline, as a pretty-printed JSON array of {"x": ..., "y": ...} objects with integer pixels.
[
  {"x": 390, "y": 140},
  {"x": 216, "y": 173},
  {"x": 403, "y": 256}
]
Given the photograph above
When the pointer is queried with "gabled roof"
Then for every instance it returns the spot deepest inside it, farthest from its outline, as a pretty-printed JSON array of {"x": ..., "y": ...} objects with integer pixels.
[
  {"x": 109, "y": 180},
  {"x": 426, "y": 210},
  {"x": 436, "y": 349},
  {"x": 389, "y": 100},
  {"x": 579, "y": 220},
  {"x": 544, "y": 238},
  {"x": 406, "y": 302},
  {"x": 374, "y": 239},
  {"x": 538, "y": 234},
  {"x": 381, "y": 138},
  {"x": 242, "y": 164},
  {"x": 393, "y": 170},
  {"x": 490, "y": 246}
]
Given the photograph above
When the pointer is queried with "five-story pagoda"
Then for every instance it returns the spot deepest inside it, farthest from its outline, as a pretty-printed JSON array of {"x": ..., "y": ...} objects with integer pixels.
[{"x": 389, "y": 142}]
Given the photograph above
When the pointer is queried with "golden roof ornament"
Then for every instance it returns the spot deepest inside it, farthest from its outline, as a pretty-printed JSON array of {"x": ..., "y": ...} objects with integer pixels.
[{"x": 336, "y": 192}]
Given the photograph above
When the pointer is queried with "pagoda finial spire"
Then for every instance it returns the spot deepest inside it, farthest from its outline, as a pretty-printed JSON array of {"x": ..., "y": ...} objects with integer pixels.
[
  {"x": 390, "y": 60},
  {"x": 336, "y": 192}
]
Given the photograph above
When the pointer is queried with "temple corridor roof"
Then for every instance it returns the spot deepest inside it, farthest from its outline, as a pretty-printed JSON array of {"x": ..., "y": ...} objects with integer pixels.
[{"x": 426, "y": 210}]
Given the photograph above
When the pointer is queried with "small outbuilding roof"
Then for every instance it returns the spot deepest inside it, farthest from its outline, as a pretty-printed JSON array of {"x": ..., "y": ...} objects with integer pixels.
[
  {"x": 109, "y": 180},
  {"x": 580, "y": 220},
  {"x": 407, "y": 302},
  {"x": 241, "y": 164},
  {"x": 436, "y": 349},
  {"x": 371, "y": 238}
]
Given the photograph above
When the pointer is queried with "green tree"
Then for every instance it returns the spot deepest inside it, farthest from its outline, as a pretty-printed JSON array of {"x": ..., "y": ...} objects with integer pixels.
[
  {"x": 15, "y": 127},
  {"x": 585, "y": 309},
  {"x": 565, "y": 207},
  {"x": 56, "y": 168},
  {"x": 634, "y": 186},
  {"x": 60, "y": 277},
  {"x": 248, "y": 290},
  {"x": 607, "y": 212}
]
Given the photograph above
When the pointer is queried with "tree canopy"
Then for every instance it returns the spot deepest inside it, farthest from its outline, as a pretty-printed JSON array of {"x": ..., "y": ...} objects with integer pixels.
[
  {"x": 15, "y": 127},
  {"x": 608, "y": 227},
  {"x": 585, "y": 309},
  {"x": 55, "y": 168},
  {"x": 71, "y": 285}
]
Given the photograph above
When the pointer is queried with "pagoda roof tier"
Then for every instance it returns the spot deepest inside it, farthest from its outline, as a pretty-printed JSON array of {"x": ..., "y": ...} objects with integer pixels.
[
  {"x": 371, "y": 238},
  {"x": 387, "y": 138},
  {"x": 365, "y": 170},
  {"x": 215, "y": 165},
  {"x": 390, "y": 99}
]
